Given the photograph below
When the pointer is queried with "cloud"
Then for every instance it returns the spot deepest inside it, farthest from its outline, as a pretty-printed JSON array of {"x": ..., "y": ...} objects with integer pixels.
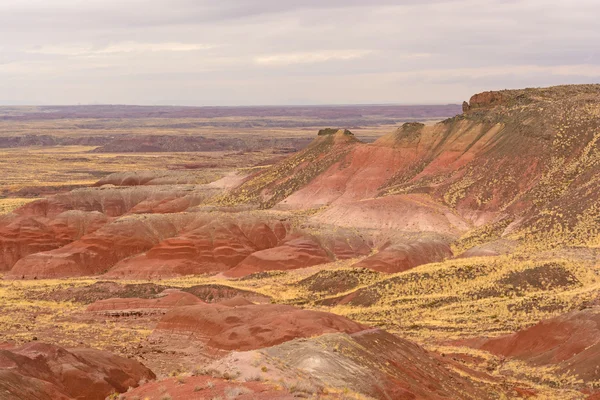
[
  {"x": 123, "y": 47},
  {"x": 310, "y": 57},
  {"x": 270, "y": 51}
]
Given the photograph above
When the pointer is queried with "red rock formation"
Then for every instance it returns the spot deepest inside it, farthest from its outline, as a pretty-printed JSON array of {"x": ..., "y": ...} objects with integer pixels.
[
  {"x": 43, "y": 371},
  {"x": 112, "y": 201},
  {"x": 252, "y": 326},
  {"x": 485, "y": 99},
  {"x": 96, "y": 252},
  {"x": 293, "y": 254},
  {"x": 372, "y": 362},
  {"x": 570, "y": 341},
  {"x": 22, "y": 236},
  {"x": 238, "y": 248},
  {"x": 212, "y": 245},
  {"x": 187, "y": 243}
]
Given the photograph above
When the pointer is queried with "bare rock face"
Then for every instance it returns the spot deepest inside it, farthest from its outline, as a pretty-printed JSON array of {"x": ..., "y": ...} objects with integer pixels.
[
  {"x": 331, "y": 131},
  {"x": 43, "y": 371},
  {"x": 485, "y": 99},
  {"x": 465, "y": 107},
  {"x": 248, "y": 327}
]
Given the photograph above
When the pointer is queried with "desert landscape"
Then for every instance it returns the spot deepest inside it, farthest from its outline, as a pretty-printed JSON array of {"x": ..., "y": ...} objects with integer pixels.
[{"x": 349, "y": 252}]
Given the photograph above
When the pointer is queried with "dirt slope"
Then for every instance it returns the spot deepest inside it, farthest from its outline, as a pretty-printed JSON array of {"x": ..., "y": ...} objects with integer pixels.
[{"x": 43, "y": 371}]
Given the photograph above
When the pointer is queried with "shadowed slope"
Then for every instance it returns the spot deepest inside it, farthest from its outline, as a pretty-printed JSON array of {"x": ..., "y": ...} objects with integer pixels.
[{"x": 43, "y": 371}]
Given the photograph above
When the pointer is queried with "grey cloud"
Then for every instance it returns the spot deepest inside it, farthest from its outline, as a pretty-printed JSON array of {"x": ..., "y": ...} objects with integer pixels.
[{"x": 271, "y": 51}]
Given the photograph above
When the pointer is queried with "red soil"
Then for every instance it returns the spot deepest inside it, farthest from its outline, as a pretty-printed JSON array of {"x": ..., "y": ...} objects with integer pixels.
[
  {"x": 250, "y": 327},
  {"x": 571, "y": 341},
  {"x": 299, "y": 252},
  {"x": 43, "y": 371},
  {"x": 238, "y": 247},
  {"x": 408, "y": 213},
  {"x": 204, "y": 387},
  {"x": 171, "y": 300},
  {"x": 236, "y": 302},
  {"x": 209, "y": 245},
  {"x": 96, "y": 252},
  {"x": 117, "y": 201},
  {"x": 358, "y": 176},
  {"x": 404, "y": 256},
  {"x": 165, "y": 245},
  {"x": 21, "y": 236}
]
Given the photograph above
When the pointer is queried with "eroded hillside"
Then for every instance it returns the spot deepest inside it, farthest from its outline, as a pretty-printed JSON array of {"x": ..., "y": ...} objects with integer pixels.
[{"x": 457, "y": 260}]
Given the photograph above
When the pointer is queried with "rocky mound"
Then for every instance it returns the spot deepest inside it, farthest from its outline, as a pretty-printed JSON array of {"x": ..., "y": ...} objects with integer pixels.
[
  {"x": 570, "y": 341},
  {"x": 170, "y": 300},
  {"x": 116, "y": 201},
  {"x": 250, "y": 327},
  {"x": 236, "y": 302},
  {"x": 286, "y": 177},
  {"x": 300, "y": 252},
  {"x": 371, "y": 363},
  {"x": 214, "y": 293},
  {"x": 43, "y": 371},
  {"x": 356, "y": 175}
]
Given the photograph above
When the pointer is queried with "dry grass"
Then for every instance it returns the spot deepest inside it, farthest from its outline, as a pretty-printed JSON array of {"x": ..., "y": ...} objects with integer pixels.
[
  {"x": 61, "y": 168},
  {"x": 9, "y": 205},
  {"x": 474, "y": 297},
  {"x": 431, "y": 304}
]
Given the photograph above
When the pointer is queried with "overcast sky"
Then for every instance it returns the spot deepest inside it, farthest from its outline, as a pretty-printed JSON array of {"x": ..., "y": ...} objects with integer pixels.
[{"x": 255, "y": 52}]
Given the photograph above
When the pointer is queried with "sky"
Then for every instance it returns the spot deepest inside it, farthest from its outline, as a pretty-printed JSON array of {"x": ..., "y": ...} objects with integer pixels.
[{"x": 279, "y": 52}]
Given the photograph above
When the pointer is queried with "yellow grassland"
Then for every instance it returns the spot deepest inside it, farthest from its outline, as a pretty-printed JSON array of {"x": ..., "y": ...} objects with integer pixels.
[{"x": 431, "y": 304}]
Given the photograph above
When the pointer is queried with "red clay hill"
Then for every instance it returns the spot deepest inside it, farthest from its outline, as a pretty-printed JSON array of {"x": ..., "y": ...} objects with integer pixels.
[
  {"x": 522, "y": 162},
  {"x": 248, "y": 327},
  {"x": 571, "y": 342},
  {"x": 38, "y": 371}
]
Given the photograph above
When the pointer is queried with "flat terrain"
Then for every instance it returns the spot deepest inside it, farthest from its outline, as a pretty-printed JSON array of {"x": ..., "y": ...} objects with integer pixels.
[{"x": 45, "y": 150}]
